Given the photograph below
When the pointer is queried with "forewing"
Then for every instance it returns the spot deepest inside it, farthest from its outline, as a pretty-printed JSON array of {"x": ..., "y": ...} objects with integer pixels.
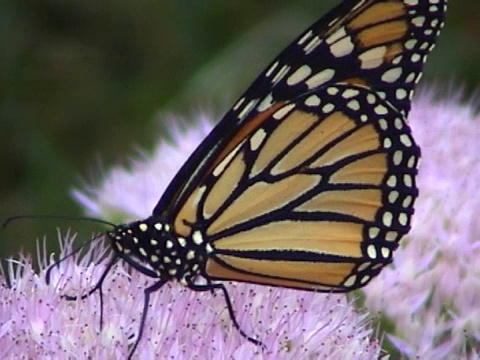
[{"x": 378, "y": 45}]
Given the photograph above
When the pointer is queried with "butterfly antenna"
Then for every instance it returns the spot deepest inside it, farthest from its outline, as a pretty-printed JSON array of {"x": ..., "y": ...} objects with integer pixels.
[{"x": 56, "y": 217}]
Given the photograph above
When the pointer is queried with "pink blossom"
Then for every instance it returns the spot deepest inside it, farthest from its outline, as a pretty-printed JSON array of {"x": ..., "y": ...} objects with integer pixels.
[{"x": 432, "y": 291}]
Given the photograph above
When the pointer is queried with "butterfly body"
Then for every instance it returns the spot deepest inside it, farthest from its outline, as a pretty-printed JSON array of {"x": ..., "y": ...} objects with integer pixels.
[{"x": 164, "y": 255}]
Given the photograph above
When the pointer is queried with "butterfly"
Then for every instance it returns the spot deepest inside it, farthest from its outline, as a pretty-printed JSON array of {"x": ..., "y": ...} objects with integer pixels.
[{"x": 309, "y": 180}]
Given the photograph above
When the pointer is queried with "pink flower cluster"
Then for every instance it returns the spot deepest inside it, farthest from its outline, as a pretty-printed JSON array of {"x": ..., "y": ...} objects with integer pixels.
[{"x": 432, "y": 291}]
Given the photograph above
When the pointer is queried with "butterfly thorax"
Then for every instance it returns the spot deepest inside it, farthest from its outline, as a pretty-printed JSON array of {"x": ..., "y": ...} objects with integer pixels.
[{"x": 151, "y": 247}]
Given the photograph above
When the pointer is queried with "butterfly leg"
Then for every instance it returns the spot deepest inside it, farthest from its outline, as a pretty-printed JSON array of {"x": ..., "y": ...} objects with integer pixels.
[
  {"x": 147, "y": 292},
  {"x": 212, "y": 287},
  {"x": 97, "y": 287}
]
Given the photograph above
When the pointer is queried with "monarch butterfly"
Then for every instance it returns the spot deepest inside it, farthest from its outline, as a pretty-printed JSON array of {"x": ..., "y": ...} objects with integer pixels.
[{"x": 308, "y": 182}]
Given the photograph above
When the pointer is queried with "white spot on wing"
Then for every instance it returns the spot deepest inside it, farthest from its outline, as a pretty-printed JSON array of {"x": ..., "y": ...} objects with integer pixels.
[
  {"x": 272, "y": 68},
  {"x": 342, "y": 48},
  {"x": 405, "y": 139},
  {"x": 354, "y": 105},
  {"x": 312, "y": 100},
  {"x": 337, "y": 35},
  {"x": 226, "y": 160},
  {"x": 381, "y": 110},
  {"x": 281, "y": 74},
  {"x": 312, "y": 45},
  {"x": 372, "y": 252},
  {"x": 387, "y": 218},
  {"x": 238, "y": 104},
  {"x": 265, "y": 103},
  {"x": 320, "y": 78},
  {"x": 299, "y": 75},
  {"x": 284, "y": 111},
  {"x": 392, "y": 75},
  {"x": 349, "y": 93},
  {"x": 372, "y": 58},
  {"x": 350, "y": 281},
  {"x": 247, "y": 108},
  {"x": 257, "y": 139},
  {"x": 305, "y": 37}
]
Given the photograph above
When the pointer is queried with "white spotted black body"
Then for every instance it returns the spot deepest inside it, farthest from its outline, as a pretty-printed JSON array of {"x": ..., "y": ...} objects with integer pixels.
[{"x": 151, "y": 247}]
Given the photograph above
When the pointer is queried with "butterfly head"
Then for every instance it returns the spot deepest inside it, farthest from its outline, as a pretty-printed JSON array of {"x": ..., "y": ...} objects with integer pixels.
[{"x": 151, "y": 247}]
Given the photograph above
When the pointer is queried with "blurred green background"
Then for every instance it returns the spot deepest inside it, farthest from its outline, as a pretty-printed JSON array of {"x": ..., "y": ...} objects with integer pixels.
[{"x": 82, "y": 83}]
